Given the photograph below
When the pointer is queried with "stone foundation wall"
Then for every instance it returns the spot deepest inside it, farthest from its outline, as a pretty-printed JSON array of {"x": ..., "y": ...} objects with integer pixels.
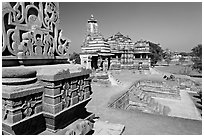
[
  {"x": 57, "y": 99},
  {"x": 20, "y": 108}
]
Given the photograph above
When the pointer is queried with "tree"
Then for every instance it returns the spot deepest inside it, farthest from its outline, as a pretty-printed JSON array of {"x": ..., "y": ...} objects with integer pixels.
[
  {"x": 184, "y": 54},
  {"x": 75, "y": 57},
  {"x": 197, "y": 57},
  {"x": 167, "y": 57},
  {"x": 155, "y": 53}
]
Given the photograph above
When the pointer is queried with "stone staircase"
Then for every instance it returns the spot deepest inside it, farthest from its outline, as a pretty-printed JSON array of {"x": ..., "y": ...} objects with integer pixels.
[
  {"x": 114, "y": 81},
  {"x": 140, "y": 98}
]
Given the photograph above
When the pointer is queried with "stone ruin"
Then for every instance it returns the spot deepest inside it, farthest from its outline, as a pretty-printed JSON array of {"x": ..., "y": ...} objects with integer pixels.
[
  {"x": 51, "y": 95},
  {"x": 134, "y": 99},
  {"x": 161, "y": 89}
]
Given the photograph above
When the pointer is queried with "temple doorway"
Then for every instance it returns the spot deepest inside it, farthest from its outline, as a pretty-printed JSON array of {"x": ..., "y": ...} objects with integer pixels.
[{"x": 94, "y": 62}]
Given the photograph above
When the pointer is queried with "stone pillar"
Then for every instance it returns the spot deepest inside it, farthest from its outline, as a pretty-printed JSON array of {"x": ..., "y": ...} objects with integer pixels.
[{"x": 141, "y": 56}]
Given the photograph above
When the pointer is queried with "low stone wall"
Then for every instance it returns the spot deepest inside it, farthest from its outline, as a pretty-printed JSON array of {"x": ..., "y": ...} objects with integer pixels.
[
  {"x": 160, "y": 89},
  {"x": 122, "y": 102}
]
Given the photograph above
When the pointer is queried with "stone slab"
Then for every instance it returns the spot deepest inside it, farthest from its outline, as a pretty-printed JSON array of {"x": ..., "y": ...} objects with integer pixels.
[
  {"x": 106, "y": 128},
  {"x": 11, "y": 92},
  {"x": 59, "y": 72}
]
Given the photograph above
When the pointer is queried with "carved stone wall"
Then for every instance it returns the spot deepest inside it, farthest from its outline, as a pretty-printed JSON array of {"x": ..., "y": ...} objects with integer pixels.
[
  {"x": 31, "y": 31},
  {"x": 21, "y": 108},
  {"x": 67, "y": 91},
  {"x": 56, "y": 99}
]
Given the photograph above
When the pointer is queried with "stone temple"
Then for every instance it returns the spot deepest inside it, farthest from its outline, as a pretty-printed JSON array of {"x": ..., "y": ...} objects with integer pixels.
[
  {"x": 128, "y": 54},
  {"x": 94, "y": 49},
  {"x": 117, "y": 51}
]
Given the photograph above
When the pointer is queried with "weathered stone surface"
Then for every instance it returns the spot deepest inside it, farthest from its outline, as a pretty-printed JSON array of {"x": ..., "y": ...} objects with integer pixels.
[
  {"x": 19, "y": 72},
  {"x": 32, "y": 36},
  {"x": 106, "y": 128},
  {"x": 66, "y": 116},
  {"x": 53, "y": 109},
  {"x": 53, "y": 100},
  {"x": 12, "y": 92},
  {"x": 32, "y": 125},
  {"x": 79, "y": 127},
  {"x": 52, "y": 91}
]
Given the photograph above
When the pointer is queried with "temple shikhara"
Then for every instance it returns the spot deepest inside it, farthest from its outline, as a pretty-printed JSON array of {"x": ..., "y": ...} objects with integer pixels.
[{"x": 95, "y": 48}]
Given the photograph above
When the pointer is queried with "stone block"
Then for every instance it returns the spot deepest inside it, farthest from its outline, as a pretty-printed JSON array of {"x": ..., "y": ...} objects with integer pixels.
[
  {"x": 74, "y": 94},
  {"x": 74, "y": 100},
  {"x": 53, "y": 109},
  {"x": 52, "y": 84},
  {"x": 38, "y": 108},
  {"x": 13, "y": 103},
  {"x": 65, "y": 117},
  {"x": 52, "y": 91},
  {"x": 53, "y": 100},
  {"x": 79, "y": 127},
  {"x": 13, "y": 118},
  {"x": 87, "y": 88},
  {"x": 86, "y": 94},
  {"x": 73, "y": 86}
]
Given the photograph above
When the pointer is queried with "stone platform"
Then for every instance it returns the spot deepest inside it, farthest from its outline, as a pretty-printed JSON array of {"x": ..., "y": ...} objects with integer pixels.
[{"x": 56, "y": 99}]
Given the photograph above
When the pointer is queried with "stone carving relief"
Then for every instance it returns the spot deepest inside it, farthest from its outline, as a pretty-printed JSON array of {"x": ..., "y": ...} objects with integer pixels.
[
  {"x": 28, "y": 106},
  {"x": 66, "y": 95},
  {"x": 23, "y": 107},
  {"x": 31, "y": 30},
  {"x": 76, "y": 88}
]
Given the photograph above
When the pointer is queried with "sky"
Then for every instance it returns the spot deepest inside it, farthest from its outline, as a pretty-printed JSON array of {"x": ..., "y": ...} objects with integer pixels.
[{"x": 176, "y": 26}]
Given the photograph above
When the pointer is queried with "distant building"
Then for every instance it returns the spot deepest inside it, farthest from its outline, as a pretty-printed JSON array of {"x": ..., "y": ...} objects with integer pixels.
[
  {"x": 130, "y": 55},
  {"x": 141, "y": 54},
  {"x": 95, "y": 50},
  {"x": 117, "y": 50},
  {"x": 122, "y": 48}
]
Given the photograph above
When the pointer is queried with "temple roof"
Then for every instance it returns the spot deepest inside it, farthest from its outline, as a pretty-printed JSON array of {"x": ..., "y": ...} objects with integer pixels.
[
  {"x": 120, "y": 37},
  {"x": 92, "y": 19}
]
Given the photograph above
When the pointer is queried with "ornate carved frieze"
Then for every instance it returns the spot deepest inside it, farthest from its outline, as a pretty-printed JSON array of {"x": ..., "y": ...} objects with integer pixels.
[
  {"x": 14, "y": 110},
  {"x": 31, "y": 30},
  {"x": 75, "y": 90}
]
